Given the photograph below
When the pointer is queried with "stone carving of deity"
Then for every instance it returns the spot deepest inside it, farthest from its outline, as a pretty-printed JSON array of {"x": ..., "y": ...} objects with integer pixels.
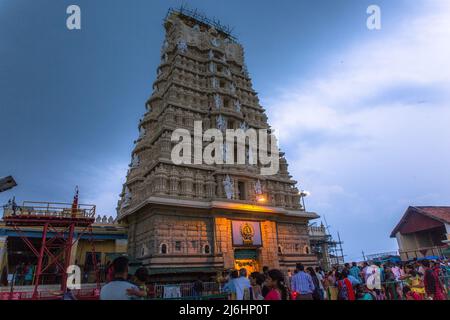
[
  {"x": 196, "y": 28},
  {"x": 228, "y": 186},
  {"x": 215, "y": 42},
  {"x": 126, "y": 198},
  {"x": 211, "y": 67},
  {"x": 164, "y": 46},
  {"x": 210, "y": 55},
  {"x": 182, "y": 46},
  {"x": 237, "y": 106},
  {"x": 232, "y": 89},
  {"x": 225, "y": 152},
  {"x": 141, "y": 132},
  {"x": 214, "y": 83},
  {"x": 134, "y": 161},
  {"x": 217, "y": 101},
  {"x": 258, "y": 188},
  {"x": 243, "y": 126},
  {"x": 221, "y": 123}
]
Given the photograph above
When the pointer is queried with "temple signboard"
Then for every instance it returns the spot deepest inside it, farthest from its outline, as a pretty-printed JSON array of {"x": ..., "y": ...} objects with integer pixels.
[{"x": 246, "y": 233}]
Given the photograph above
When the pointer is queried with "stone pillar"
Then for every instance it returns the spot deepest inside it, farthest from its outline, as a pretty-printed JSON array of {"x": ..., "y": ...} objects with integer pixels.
[
  {"x": 224, "y": 244},
  {"x": 269, "y": 251}
]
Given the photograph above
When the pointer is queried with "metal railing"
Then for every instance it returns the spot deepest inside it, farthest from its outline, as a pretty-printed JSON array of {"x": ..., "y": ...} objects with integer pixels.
[
  {"x": 381, "y": 255},
  {"x": 184, "y": 290},
  {"x": 423, "y": 252},
  {"x": 392, "y": 289},
  {"x": 49, "y": 209},
  {"x": 48, "y": 292}
]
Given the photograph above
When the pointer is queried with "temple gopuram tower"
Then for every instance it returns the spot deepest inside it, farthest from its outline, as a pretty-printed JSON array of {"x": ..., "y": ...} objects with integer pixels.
[{"x": 191, "y": 220}]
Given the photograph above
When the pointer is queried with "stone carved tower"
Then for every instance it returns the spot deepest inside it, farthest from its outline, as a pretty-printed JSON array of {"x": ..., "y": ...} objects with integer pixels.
[{"x": 186, "y": 210}]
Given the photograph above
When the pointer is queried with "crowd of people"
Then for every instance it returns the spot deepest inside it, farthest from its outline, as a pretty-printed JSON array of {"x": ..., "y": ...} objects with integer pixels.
[{"x": 417, "y": 280}]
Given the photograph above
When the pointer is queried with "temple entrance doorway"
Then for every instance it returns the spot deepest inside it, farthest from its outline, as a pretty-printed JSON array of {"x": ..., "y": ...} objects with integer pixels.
[{"x": 247, "y": 259}]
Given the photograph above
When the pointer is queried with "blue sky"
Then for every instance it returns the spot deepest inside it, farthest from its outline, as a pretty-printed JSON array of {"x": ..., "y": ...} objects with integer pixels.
[{"x": 362, "y": 115}]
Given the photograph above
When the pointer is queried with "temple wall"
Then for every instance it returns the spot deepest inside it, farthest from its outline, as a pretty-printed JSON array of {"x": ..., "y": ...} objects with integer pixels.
[{"x": 186, "y": 234}]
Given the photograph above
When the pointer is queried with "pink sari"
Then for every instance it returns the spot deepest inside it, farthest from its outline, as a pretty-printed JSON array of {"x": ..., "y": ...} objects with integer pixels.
[{"x": 273, "y": 295}]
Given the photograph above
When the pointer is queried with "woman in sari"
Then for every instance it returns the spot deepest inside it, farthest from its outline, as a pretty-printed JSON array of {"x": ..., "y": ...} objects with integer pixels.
[
  {"x": 416, "y": 283},
  {"x": 433, "y": 286},
  {"x": 332, "y": 290}
]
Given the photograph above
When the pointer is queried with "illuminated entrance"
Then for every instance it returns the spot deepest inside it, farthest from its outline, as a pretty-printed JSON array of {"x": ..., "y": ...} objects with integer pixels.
[{"x": 247, "y": 259}]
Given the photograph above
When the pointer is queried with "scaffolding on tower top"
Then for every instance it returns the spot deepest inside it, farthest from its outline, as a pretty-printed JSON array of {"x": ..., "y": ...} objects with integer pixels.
[{"x": 201, "y": 18}]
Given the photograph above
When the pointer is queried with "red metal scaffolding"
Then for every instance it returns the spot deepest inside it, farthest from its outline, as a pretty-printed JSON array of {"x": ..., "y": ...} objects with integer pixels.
[{"x": 62, "y": 226}]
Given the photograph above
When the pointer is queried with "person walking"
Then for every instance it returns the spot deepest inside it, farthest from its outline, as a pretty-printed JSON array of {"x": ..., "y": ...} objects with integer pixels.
[
  {"x": 345, "y": 288},
  {"x": 320, "y": 276},
  {"x": 229, "y": 286},
  {"x": 416, "y": 283},
  {"x": 276, "y": 284},
  {"x": 302, "y": 284},
  {"x": 354, "y": 281},
  {"x": 242, "y": 284},
  {"x": 355, "y": 272},
  {"x": 330, "y": 284},
  {"x": 318, "y": 292},
  {"x": 433, "y": 285},
  {"x": 390, "y": 283}
]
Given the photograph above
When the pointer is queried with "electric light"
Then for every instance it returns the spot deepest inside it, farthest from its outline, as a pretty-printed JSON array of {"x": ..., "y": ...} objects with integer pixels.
[
  {"x": 260, "y": 198},
  {"x": 304, "y": 193}
]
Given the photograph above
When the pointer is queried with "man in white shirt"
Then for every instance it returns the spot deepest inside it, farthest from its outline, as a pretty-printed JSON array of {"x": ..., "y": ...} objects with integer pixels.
[
  {"x": 241, "y": 284},
  {"x": 119, "y": 288}
]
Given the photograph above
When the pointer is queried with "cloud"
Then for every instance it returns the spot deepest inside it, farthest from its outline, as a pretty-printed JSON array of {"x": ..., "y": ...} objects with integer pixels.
[{"x": 371, "y": 135}]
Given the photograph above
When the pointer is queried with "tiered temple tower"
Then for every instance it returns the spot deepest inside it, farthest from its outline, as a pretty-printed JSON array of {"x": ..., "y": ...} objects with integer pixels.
[{"x": 197, "y": 218}]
